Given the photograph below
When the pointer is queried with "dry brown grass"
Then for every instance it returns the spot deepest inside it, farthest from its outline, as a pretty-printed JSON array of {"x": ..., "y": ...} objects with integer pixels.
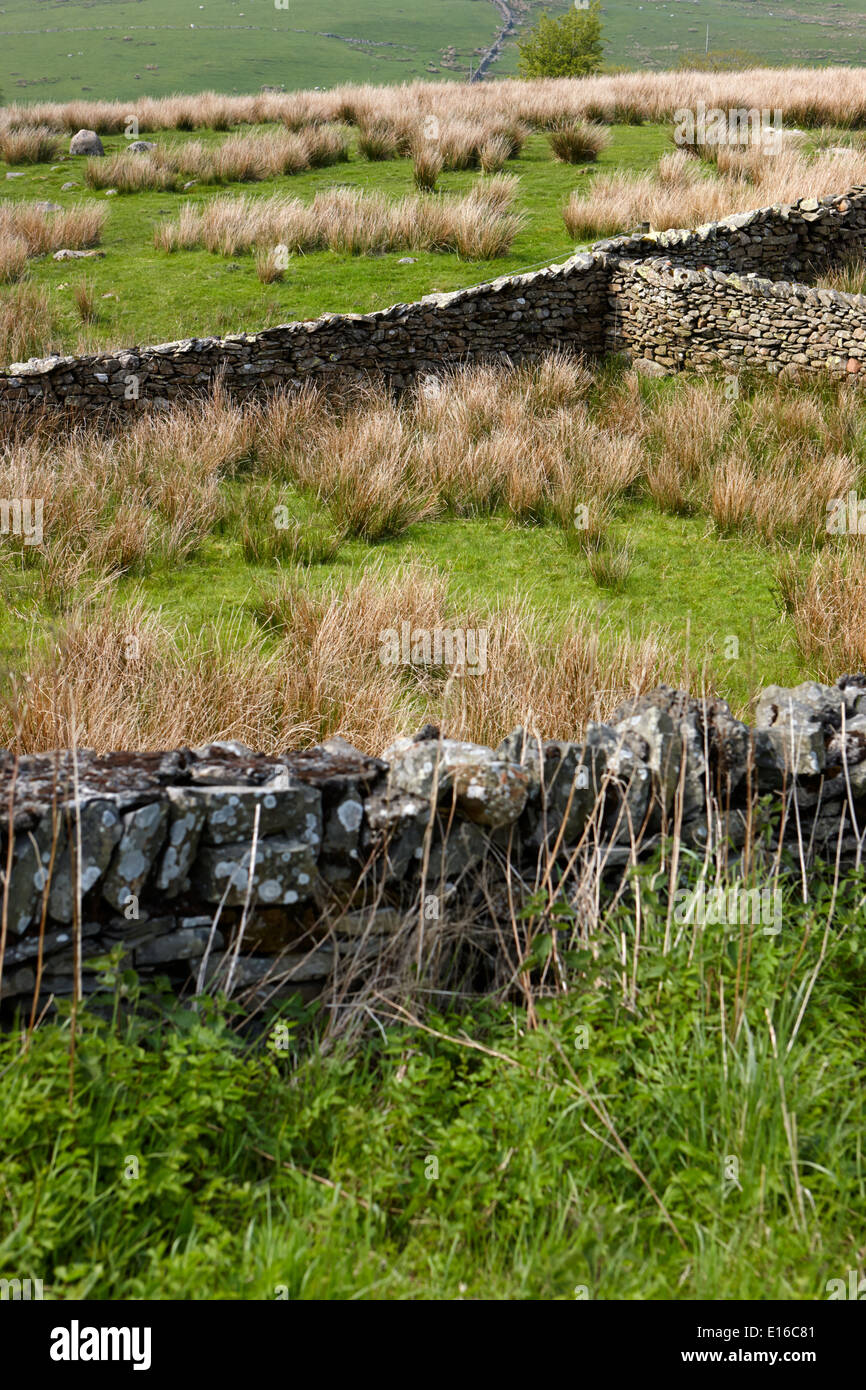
[
  {"x": 243, "y": 158},
  {"x": 76, "y": 227},
  {"x": 477, "y": 226},
  {"x": 427, "y": 165},
  {"x": 28, "y": 326},
  {"x": 112, "y": 679},
  {"x": 35, "y": 144},
  {"x": 13, "y": 258},
  {"x": 826, "y": 602},
  {"x": 680, "y": 193},
  {"x": 575, "y": 142},
  {"x": 808, "y": 97}
]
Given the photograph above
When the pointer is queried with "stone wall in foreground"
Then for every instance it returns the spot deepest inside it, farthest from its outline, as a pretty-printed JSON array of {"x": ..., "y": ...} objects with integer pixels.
[
  {"x": 576, "y": 306},
  {"x": 301, "y": 863}
]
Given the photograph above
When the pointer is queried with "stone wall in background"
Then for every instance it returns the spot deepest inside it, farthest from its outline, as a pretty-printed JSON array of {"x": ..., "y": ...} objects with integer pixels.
[
  {"x": 701, "y": 319},
  {"x": 577, "y": 306},
  {"x": 300, "y": 864}
]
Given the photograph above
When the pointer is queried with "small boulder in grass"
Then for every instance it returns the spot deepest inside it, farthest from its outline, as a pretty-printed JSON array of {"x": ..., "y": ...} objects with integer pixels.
[
  {"x": 66, "y": 187},
  {"x": 645, "y": 366},
  {"x": 86, "y": 142},
  {"x": 140, "y": 147}
]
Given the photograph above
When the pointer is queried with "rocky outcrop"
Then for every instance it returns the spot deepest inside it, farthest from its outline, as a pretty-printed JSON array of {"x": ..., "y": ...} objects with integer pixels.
[{"x": 218, "y": 864}]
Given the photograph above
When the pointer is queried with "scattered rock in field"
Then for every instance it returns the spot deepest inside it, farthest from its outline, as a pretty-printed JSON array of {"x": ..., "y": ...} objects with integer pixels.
[
  {"x": 67, "y": 255},
  {"x": 140, "y": 147},
  {"x": 47, "y": 207},
  {"x": 65, "y": 187},
  {"x": 86, "y": 142},
  {"x": 111, "y": 192},
  {"x": 407, "y": 260},
  {"x": 16, "y": 176}
]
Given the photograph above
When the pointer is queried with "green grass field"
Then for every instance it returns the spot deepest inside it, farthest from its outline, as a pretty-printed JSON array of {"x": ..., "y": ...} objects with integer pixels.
[
  {"x": 119, "y": 49},
  {"x": 700, "y": 585},
  {"x": 188, "y": 293}
]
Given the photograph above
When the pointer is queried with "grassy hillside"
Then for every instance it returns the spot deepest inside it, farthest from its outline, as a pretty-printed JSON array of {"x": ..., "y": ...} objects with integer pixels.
[
  {"x": 119, "y": 48},
  {"x": 124, "y": 48}
]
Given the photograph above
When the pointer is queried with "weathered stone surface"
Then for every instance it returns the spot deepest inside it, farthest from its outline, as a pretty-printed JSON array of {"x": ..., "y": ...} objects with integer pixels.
[
  {"x": 143, "y": 835},
  {"x": 148, "y": 826},
  {"x": 488, "y": 790},
  {"x": 396, "y": 825},
  {"x": 294, "y": 811},
  {"x": 791, "y": 731},
  {"x": 187, "y": 813},
  {"x": 284, "y": 872},
  {"x": 96, "y": 831},
  {"x": 187, "y": 943},
  {"x": 86, "y": 142}
]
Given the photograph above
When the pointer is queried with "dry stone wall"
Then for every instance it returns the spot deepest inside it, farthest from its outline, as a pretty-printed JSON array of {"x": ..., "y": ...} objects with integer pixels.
[
  {"x": 297, "y": 864},
  {"x": 593, "y": 302},
  {"x": 700, "y": 319}
]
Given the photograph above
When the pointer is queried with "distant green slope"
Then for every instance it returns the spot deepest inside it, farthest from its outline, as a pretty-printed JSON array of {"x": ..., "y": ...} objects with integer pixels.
[{"x": 62, "y": 49}]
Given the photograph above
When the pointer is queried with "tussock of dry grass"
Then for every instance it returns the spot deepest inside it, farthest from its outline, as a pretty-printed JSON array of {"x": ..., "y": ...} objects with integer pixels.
[
  {"x": 246, "y": 158},
  {"x": 682, "y": 193},
  {"x": 807, "y": 96},
  {"x": 575, "y": 142},
  {"x": 27, "y": 323},
  {"x": 76, "y": 227},
  {"x": 826, "y": 602},
  {"x": 314, "y": 669},
  {"x": 478, "y": 226},
  {"x": 36, "y": 144}
]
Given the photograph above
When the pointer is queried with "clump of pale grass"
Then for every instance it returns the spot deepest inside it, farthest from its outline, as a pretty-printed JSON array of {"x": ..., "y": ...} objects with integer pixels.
[
  {"x": 610, "y": 564},
  {"x": 427, "y": 165},
  {"x": 28, "y": 326},
  {"x": 576, "y": 142},
  {"x": 270, "y": 266},
  {"x": 13, "y": 258},
  {"x": 494, "y": 154},
  {"x": 847, "y": 278},
  {"x": 76, "y": 227},
  {"x": 477, "y": 225},
  {"x": 316, "y": 671},
  {"x": 378, "y": 142},
  {"x": 35, "y": 144},
  {"x": 84, "y": 298},
  {"x": 131, "y": 173},
  {"x": 826, "y": 602}
]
